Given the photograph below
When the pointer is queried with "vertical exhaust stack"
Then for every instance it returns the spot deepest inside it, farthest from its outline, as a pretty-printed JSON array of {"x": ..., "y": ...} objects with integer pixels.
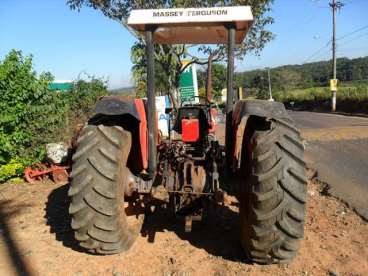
[{"x": 151, "y": 103}]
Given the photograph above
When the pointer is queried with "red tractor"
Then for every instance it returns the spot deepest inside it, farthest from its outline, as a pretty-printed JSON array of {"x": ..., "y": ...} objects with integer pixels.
[{"x": 122, "y": 167}]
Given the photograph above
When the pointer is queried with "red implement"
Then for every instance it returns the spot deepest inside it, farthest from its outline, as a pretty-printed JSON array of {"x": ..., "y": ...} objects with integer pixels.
[{"x": 40, "y": 171}]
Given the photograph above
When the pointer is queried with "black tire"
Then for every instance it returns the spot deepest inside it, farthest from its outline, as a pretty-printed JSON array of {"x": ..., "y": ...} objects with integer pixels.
[
  {"x": 272, "y": 192},
  {"x": 100, "y": 218}
]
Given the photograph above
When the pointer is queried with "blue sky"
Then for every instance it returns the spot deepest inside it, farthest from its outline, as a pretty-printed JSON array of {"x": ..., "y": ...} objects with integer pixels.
[{"x": 68, "y": 43}]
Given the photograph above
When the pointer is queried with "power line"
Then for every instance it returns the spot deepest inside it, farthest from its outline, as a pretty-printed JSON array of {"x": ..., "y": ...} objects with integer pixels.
[
  {"x": 318, "y": 51},
  {"x": 353, "y": 32},
  {"x": 350, "y": 49},
  {"x": 323, "y": 55},
  {"x": 352, "y": 2},
  {"x": 339, "y": 49},
  {"x": 353, "y": 39},
  {"x": 334, "y": 5}
]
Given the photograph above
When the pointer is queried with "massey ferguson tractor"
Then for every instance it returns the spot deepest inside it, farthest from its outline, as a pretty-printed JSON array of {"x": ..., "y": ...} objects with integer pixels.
[{"x": 122, "y": 167}]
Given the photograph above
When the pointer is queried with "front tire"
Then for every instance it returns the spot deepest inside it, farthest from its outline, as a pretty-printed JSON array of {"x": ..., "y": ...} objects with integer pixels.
[
  {"x": 273, "y": 191},
  {"x": 102, "y": 221}
]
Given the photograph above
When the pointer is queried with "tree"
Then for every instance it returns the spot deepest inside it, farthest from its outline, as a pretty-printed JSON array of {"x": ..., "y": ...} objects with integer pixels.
[
  {"x": 170, "y": 56},
  {"x": 218, "y": 74},
  {"x": 219, "y": 78},
  {"x": 168, "y": 67},
  {"x": 261, "y": 83}
]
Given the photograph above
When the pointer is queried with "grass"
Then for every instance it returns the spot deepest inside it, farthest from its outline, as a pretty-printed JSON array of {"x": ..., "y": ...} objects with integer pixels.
[
  {"x": 351, "y": 97},
  {"x": 346, "y": 91}
]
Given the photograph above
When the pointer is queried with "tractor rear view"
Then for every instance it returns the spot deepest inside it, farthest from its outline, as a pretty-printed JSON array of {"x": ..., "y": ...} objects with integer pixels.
[{"x": 122, "y": 167}]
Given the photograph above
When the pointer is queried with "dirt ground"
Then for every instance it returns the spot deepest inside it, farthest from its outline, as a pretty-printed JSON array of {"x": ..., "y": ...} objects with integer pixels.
[{"x": 35, "y": 239}]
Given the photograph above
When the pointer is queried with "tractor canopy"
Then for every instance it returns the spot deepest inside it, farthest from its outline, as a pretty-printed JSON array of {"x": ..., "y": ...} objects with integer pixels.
[
  {"x": 218, "y": 25},
  {"x": 193, "y": 25}
]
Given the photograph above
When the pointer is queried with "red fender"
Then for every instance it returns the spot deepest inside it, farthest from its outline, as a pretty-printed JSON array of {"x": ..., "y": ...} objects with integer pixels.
[
  {"x": 212, "y": 122},
  {"x": 142, "y": 131}
]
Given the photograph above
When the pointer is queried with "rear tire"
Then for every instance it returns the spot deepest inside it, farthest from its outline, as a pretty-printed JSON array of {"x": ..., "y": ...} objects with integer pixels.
[
  {"x": 272, "y": 192},
  {"x": 102, "y": 223}
]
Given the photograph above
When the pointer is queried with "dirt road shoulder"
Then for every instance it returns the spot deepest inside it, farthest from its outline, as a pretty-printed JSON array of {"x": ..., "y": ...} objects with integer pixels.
[{"x": 36, "y": 238}]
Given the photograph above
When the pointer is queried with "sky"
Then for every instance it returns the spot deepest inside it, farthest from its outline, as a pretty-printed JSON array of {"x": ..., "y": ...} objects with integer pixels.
[{"x": 70, "y": 44}]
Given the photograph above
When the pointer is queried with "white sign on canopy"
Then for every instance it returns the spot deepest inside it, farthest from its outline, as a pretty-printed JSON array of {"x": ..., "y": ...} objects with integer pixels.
[{"x": 193, "y": 25}]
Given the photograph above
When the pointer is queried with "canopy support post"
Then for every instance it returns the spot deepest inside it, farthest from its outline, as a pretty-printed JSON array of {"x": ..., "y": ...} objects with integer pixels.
[
  {"x": 230, "y": 93},
  {"x": 151, "y": 102}
]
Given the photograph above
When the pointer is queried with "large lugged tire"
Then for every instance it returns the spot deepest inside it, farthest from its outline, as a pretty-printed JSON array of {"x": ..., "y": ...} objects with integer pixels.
[
  {"x": 99, "y": 215},
  {"x": 272, "y": 192}
]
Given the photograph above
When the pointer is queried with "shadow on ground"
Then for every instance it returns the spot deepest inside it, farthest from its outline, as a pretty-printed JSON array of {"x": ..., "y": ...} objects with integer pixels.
[
  {"x": 218, "y": 233},
  {"x": 7, "y": 211},
  {"x": 58, "y": 218}
]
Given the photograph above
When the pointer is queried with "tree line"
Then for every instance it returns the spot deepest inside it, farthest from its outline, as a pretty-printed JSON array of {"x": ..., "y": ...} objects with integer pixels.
[
  {"x": 287, "y": 77},
  {"x": 316, "y": 74}
]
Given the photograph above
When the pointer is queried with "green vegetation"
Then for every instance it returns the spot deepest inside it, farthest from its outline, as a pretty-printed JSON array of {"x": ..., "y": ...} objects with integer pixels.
[
  {"x": 218, "y": 79},
  {"x": 350, "y": 90},
  {"x": 31, "y": 115},
  {"x": 352, "y": 97},
  {"x": 286, "y": 79}
]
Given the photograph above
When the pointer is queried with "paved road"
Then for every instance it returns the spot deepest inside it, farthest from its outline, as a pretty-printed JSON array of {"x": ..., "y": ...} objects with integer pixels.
[{"x": 337, "y": 146}]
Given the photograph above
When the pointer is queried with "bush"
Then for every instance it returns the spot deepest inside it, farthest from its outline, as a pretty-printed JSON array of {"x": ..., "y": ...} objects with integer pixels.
[
  {"x": 13, "y": 168},
  {"x": 83, "y": 96},
  {"x": 31, "y": 115},
  {"x": 28, "y": 110}
]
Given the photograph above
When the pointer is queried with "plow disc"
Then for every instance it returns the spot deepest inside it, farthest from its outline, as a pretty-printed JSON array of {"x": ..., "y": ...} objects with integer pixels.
[{"x": 40, "y": 172}]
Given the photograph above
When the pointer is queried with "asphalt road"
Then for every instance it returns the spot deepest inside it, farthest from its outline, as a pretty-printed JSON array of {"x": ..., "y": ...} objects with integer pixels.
[{"x": 337, "y": 146}]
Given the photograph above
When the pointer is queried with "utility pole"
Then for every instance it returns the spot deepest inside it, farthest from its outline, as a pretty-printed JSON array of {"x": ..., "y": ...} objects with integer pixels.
[
  {"x": 269, "y": 84},
  {"x": 334, "y": 5}
]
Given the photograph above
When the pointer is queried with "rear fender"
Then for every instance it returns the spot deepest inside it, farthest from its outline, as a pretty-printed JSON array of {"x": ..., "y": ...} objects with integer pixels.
[
  {"x": 131, "y": 114},
  {"x": 244, "y": 110},
  {"x": 117, "y": 105}
]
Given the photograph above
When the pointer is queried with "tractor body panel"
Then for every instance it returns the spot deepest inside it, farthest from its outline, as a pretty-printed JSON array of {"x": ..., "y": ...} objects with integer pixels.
[
  {"x": 242, "y": 111},
  {"x": 184, "y": 120},
  {"x": 190, "y": 130},
  {"x": 143, "y": 131}
]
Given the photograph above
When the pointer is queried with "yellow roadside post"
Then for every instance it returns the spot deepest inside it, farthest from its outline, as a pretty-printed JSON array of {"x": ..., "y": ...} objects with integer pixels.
[{"x": 333, "y": 88}]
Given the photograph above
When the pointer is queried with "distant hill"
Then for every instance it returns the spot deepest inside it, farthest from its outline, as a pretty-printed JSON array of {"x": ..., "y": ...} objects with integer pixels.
[
  {"x": 125, "y": 91},
  {"x": 305, "y": 75}
]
